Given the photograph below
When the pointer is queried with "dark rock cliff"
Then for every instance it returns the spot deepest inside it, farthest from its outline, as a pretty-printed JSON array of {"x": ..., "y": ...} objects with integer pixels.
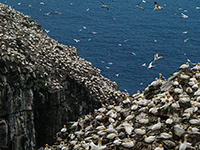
[{"x": 43, "y": 84}]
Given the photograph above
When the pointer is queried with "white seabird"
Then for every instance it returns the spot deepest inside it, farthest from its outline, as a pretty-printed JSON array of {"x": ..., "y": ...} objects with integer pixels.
[
  {"x": 157, "y": 7},
  {"x": 104, "y": 6}
]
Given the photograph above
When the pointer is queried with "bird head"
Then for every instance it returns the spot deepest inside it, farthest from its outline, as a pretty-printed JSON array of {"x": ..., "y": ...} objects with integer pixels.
[{"x": 144, "y": 136}]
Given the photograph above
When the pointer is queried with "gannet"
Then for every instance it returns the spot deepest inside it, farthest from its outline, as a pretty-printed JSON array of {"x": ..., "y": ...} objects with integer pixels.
[
  {"x": 112, "y": 135},
  {"x": 153, "y": 110},
  {"x": 194, "y": 121},
  {"x": 131, "y": 116},
  {"x": 157, "y": 7},
  {"x": 100, "y": 146},
  {"x": 159, "y": 148},
  {"x": 197, "y": 67},
  {"x": 169, "y": 120},
  {"x": 135, "y": 106},
  {"x": 117, "y": 141},
  {"x": 128, "y": 129},
  {"x": 151, "y": 66},
  {"x": 157, "y": 125},
  {"x": 183, "y": 145},
  {"x": 128, "y": 144},
  {"x": 104, "y": 6},
  {"x": 165, "y": 135},
  {"x": 140, "y": 131},
  {"x": 194, "y": 130},
  {"x": 178, "y": 130},
  {"x": 64, "y": 129},
  {"x": 92, "y": 145},
  {"x": 138, "y": 5},
  {"x": 184, "y": 66},
  {"x": 110, "y": 128},
  {"x": 156, "y": 57},
  {"x": 101, "y": 132},
  {"x": 149, "y": 139},
  {"x": 144, "y": 121},
  {"x": 191, "y": 62},
  {"x": 100, "y": 127},
  {"x": 102, "y": 110}
]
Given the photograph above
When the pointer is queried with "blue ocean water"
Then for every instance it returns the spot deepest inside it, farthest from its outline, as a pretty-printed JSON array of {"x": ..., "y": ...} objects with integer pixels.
[{"x": 110, "y": 38}]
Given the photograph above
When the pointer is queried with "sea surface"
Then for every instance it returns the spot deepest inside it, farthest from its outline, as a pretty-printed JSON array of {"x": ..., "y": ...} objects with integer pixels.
[{"x": 120, "y": 40}]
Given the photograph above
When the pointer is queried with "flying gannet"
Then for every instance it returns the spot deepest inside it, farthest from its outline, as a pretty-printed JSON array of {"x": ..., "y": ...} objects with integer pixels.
[
  {"x": 103, "y": 5},
  {"x": 157, "y": 7},
  {"x": 138, "y": 5}
]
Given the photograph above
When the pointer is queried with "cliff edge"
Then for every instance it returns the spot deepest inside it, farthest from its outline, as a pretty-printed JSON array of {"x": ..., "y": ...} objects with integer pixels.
[{"x": 43, "y": 84}]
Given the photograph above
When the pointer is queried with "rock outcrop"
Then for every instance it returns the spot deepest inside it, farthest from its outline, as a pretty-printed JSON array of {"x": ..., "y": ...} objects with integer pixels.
[{"x": 43, "y": 84}]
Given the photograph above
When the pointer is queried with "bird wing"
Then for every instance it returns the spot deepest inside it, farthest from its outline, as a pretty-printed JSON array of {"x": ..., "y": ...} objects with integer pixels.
[
  {"x": 156, "y": 4},
  {"x": 102, "y": 3},
  {"x": 142, "y": 8}
]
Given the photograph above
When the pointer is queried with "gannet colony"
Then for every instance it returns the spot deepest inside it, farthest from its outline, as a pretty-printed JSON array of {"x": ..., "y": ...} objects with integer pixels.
[{"x": 163, "y": 116}]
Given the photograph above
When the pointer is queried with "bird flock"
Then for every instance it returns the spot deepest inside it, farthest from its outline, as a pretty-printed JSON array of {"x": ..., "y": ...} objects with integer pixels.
[
  {"x": 163, "y": 116},
  {"x": 157, "y": 7}
]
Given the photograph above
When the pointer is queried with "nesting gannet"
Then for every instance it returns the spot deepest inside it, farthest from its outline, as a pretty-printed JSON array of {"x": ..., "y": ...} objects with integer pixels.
[
  {"x": 99, "y": 116},
  {"x": 157, "y": 7},
  {"x": 175, "y": 83},
  {"x": 184, "y": 66},
  {"x": 194, "y": 130},
  {"x": 128, "y": 144},
  {"x": 157, "y": 125},
  {"x": 165, "y": 135},
  {"x": 197, "y": 74},
  {"x": 117, "y": 141},
  {"x": 104, "y": 6},
  {"x": 110, "y": 128},
  {"x": 178, "y": 130},
  {"x": 184, "y": 76},
  {"x": 64, "y": 129},
  {"x": 153, "y": 110},
  {"x": 195, "y": 121},
  {"x": 131, "y": 116},
  {"x": 101, "y": 132},
  {"x": 138, "y": 5},
  {"x": 134, "y": 106},
  {"x": 140, "y": 131},
  {"x": 169, "y": 120},
  {"x": 102, "y": 110},
  {"x": 149, "y": 139},
  {"x": 151, "y": 66},
  {"x": 100, "y": 146},
  {"x": 79, "y": 133},
  {"x": 112, "y": 135},
  {"x": 128, "y": 129},
  {"x": 127, "y": 100},
  {"x": 197, "y": 67},
  {"x": 183, "y": 145},
  {"x": 110, "y": 119},
  {"x": 100, "y": 127},
  {"x": 156, "y": 57},
  {"x": 193, "y": 109},
  {"x": 144, "y": 120},
  {"x": 187, "y": 115},
  {"x": 160, "y": 147},
  {"x": 92, "y": 145}
]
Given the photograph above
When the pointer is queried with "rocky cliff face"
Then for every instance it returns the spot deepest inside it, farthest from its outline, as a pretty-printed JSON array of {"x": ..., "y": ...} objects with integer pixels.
[{"x": 43, "y": 84}]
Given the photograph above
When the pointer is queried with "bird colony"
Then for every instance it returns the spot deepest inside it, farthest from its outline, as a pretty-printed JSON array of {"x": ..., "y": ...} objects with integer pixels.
[
  {"x": 25, "y": 43},
  {"x": 163, "y": 116}
]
